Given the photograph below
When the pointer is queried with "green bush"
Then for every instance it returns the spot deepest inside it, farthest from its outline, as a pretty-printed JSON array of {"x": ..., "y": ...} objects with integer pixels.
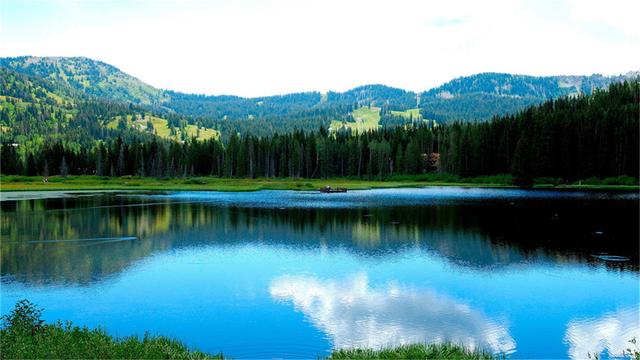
[
  {"x": 25, "y": 336},
  {"x": 195, "y": 181},
  {"x": 591, "y": 181},
  {"x": 620, "y": 180},
  {"x": 500, "y": 179},
  {"x": 549, "y": 181},
  {"x": 24, "y": 318}
]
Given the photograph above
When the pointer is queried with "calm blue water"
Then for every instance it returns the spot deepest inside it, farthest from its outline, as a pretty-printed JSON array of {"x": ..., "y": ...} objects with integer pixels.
[{"x": 295, "y": 274}]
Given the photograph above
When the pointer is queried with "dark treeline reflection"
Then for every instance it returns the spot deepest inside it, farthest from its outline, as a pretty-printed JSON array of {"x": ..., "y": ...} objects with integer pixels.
[{"x": 479, "y": 235}]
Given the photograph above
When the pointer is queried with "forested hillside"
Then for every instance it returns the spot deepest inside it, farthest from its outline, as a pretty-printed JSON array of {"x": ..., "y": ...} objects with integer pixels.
[
  {"x": 482, "y": 96},
  {"x": 566, "y": 139},
  {"x": 570, "y": 138},
  {"x": 36, "y": 111},
  {"x": 90, "y": 77},
  {"x": 79, "y": 116},
  {"x": 472, "y": 98}
]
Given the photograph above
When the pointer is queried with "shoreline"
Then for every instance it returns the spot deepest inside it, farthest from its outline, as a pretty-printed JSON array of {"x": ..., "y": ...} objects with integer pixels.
[
  {"x": 131, "y": 183},
  {"x": 26, "y": 335}
]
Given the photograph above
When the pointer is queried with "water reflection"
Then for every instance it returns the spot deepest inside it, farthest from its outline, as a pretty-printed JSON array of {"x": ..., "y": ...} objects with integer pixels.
[
  {"x": 612, "y": 332},
  {"x": 485, "y": 235},
  {"x": 353, "y": 314},
  {"x": 223, "y": 271}
]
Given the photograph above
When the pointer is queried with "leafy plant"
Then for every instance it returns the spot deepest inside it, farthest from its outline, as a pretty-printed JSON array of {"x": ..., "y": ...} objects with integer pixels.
[
  {"x": 24, "y": 335},
  {"x": 24, "y": 318}
]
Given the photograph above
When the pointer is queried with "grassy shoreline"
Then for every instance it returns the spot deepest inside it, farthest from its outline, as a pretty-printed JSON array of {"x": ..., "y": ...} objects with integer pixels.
[
  {"x": 24, "y": 335},
  {"x": 87, "y": 182}
]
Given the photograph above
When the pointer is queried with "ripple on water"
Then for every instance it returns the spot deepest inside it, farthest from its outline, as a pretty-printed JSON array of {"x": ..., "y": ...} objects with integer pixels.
[
  {"x": 611, "y": 333},
  {"x": 380, "y": 197},
  {"x": 614, "y": 258}
]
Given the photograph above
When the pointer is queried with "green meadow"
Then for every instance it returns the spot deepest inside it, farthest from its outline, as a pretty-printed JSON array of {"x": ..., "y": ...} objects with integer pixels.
[
  {"x": 161, "y": 128},
  {"x": 364, "y": 119},
  {"x": 88, "y": 182},
  {"x": 408, "y": 114}
]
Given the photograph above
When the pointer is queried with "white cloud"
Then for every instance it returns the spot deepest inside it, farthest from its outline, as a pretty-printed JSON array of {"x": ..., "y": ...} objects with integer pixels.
[
  {"x": 276, "y": 46},
  {"x": 353, "y": 314},
  {"x": 611, "y": 332}
]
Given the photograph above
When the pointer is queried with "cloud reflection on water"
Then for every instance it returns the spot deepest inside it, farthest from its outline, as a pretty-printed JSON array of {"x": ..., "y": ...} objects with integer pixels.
[
  {"x": 611, "y": 332},
  {"x": 353, "y": 314}
]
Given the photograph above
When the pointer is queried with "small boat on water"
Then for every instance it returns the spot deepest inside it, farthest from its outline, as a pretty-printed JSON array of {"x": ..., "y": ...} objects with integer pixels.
[{"x": 329, "y": 189}]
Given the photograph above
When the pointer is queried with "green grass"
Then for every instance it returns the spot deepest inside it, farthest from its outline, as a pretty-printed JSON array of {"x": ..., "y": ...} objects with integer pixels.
[
  {"x": 413, "y": 351},
  {"x": 24, "y": 335},
  {"x": 365, "y": 119},
  {"x": 408, "y": 114},
  {"x": 88, "y": 182},
  {"x": 161, "y": 127},
  {"x": 85, "y": 182},
  {"x": 205, "y": 133}
]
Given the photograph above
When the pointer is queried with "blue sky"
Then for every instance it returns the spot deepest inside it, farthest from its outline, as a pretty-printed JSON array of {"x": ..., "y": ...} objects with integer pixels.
[{"x": 252, "y": 47}]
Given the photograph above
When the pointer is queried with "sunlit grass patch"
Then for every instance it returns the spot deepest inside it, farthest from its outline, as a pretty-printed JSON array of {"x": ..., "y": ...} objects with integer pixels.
[
  {"x": 364, "y": 119},
  {"x": 408, "y": 114},
  {"x": 162, "y": 129}
]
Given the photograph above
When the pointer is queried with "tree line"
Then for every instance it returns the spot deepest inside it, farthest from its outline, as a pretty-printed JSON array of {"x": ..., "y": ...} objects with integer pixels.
[{"x": 570, "y": 138}]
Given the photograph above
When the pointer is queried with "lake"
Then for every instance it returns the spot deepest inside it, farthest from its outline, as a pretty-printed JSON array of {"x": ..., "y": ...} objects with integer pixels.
[{"x": 544, "y": 274}]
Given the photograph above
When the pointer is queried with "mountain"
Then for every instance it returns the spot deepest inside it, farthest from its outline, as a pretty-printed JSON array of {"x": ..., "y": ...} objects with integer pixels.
[
  {"x": 376, "y": 95},
  {"x": 482, "y": 96},
  {"x": 546, "y": 87},
  {"x": 69, "y": 83},
  {"x": 35, "y": 110},
  {"x": 91, "y": 77},
  {"x": 33, "y": 89},
  {"x": 561, "y": 140}
]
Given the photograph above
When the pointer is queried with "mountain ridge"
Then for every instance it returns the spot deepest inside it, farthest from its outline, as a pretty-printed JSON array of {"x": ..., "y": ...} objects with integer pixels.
[
  {"x": 29, "y": 65},
  {"x": 65, "y": 81},
  {"x": 90, "y": 76}
]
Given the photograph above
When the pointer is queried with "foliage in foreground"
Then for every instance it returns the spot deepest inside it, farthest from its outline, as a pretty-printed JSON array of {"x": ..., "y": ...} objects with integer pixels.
[
  {"x": 414, "y": 351},
  {"x": 24, "y": 335}
]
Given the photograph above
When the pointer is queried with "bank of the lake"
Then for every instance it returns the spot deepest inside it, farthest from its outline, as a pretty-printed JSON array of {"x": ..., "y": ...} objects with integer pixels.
[
  {"x": 24, "y": 335},
  {"x": 86, "y": 182}
]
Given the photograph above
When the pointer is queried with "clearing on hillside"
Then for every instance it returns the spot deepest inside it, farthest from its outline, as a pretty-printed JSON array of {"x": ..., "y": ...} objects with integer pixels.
[
  {"x": 161, "y": 128},
  {"x": 364, "y": 119},
  {"x": 408, "y": 114}
]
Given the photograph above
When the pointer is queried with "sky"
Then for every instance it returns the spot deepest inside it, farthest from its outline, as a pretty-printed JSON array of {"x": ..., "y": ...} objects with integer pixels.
[{"x": 255, "y": 48}]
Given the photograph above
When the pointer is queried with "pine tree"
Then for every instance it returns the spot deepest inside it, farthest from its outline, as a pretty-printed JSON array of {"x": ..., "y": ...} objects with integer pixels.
[
  {"x": 64, "y": 168},
  {"x": 399, "y": 166},
  {"x": 413, "y": 158},
  {"x": 121, "y": 161}
]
